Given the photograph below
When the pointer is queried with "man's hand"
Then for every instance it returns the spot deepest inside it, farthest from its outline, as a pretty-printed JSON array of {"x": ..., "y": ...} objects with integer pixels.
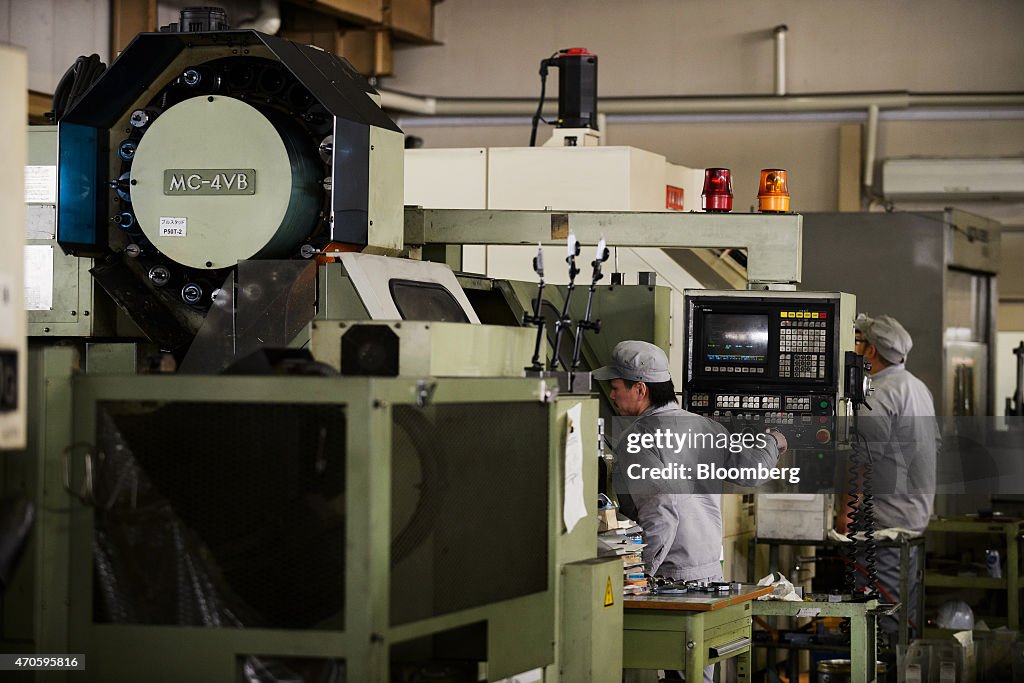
[{"x": 780, "y": 440}]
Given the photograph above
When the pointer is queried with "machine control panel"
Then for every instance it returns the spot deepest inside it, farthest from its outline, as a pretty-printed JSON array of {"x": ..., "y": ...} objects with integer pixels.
[
  {"x": 807, "y": 420},
  {"x": 759, "y": 360}
]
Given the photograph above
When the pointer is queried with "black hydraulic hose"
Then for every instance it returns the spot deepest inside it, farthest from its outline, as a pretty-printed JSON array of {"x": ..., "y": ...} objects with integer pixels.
[{"x": 75, "y": 82}]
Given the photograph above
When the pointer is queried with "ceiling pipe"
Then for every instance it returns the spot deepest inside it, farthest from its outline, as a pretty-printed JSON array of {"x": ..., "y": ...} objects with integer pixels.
[
  {"x": 726, "y": 104},
  {"x": 870, "y": 147},
  {"x": 267, "y": 20},
  {"x": 411, "y": 104},
  {"x": 779, "y": 32}
]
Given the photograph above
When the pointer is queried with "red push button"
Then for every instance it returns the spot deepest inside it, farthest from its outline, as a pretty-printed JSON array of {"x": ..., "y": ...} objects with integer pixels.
[{"x": 823, "y": 436}]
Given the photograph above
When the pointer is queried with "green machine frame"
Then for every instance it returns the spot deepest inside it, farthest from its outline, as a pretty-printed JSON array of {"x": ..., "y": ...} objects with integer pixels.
[{"x": 544, "y": 629}]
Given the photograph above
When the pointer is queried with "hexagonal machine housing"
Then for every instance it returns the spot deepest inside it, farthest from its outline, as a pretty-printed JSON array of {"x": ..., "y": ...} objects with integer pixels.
[{"x": 194, "y": 151}]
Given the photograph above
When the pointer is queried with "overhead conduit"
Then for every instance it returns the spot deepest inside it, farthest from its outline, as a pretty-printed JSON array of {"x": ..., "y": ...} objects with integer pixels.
[{"x": 718, "y": 104}]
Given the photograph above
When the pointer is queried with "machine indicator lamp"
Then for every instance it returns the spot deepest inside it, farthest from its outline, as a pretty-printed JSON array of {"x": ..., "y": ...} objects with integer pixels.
[
  {"x": 821, "y": 456},
  {"x": 717, "y": 194},
  {"x": 773, "y": 192},
  {"x": 823, "y": 404},
  {"x": 576, "y": 51}
]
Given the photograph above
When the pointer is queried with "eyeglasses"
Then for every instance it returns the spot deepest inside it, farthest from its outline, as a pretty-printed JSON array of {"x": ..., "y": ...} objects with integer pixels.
[{"x": 860, "y": 341}]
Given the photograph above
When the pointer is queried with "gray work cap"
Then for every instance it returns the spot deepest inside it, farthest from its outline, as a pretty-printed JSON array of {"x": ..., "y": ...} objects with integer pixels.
[
  {"x": 890, "y": 338},
  {"x": 636, "y": 361}
]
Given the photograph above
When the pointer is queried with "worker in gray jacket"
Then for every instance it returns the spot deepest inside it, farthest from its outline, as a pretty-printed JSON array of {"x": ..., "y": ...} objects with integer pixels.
[
  {"x": 656, "y": 474},
  {"x": 680, "y": 514},
  {"x": 900, "y": 438}
]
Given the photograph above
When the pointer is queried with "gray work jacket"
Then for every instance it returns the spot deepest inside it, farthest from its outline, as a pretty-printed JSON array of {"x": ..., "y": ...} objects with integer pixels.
[
  {"x": 681, "y": 520},
  {"x": 901, "y": 434}
]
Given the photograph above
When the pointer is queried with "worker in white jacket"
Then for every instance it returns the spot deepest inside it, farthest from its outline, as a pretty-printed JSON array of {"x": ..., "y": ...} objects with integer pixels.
[{"x": 900, "y": 437}]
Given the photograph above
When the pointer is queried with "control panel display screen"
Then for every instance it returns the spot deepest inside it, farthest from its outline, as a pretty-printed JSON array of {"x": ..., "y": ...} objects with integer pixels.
[{"x": 736, "y": 338}]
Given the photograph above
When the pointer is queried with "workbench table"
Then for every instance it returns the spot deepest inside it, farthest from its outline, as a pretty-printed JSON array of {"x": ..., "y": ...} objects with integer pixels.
[
  {"x": 689, "y": 631},
  {"x": 862, "y": 616}
]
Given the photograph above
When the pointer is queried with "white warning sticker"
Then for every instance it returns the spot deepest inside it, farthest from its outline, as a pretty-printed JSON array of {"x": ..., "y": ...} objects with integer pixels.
[
  {"x": 173, "y": 226},
  {"x": 40, "y": 184},
  {"x": 38, "y": 277}
]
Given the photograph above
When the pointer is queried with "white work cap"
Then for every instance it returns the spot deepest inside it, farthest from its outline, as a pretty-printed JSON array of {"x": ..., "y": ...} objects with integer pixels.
[
  {"x": 887, "y": 335},
  {"x": 636, "y": 361}
]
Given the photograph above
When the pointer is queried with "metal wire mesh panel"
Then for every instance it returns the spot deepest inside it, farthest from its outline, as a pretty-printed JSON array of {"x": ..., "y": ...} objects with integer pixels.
[
  {"x": 469, "y": 520},
  {"x": 220, "y": 514}
]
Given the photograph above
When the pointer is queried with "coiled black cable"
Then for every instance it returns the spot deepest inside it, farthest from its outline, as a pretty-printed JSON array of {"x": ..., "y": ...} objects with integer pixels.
[
  {"x": 853, "y": 505},
  {"x": 862, "y": 516},
  {"x": 867, "y": 519},
  {"x": 75, "y": 82}
]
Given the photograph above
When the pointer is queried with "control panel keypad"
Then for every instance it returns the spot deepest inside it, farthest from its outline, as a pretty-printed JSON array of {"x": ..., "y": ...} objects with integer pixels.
[
  {"x": 699, "y": 400},
  {"x": 734, "y": 369},
  {"x": 744, "y": 401},
  {"x": 798, "y": 403},
  {"x": 802, "y": 348}
]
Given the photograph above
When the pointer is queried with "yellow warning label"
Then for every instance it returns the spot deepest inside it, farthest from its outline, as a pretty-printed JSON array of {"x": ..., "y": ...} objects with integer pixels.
[{"x": 609, "y": 597}]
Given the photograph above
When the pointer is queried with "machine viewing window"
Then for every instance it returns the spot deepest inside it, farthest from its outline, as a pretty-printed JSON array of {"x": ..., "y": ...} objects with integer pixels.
[
  {"x": 736, "y": 338},
  {"x": 426, "y": 301}
]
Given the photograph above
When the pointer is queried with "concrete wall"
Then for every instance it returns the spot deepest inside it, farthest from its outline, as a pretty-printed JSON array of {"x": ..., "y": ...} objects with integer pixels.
[
  {"x": 699, "y": 47},
  {"x": 711, "y": 47},
  {"x": 55, "y": 33}
]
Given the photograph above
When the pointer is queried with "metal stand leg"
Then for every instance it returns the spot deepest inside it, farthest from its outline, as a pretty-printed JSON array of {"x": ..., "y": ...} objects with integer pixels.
[
  {"x": 904, "y": 612},
  {"x": 1012, "y": 577},
  {"x": 919, "y": 631},
  {"x": 862, "y": 650},
  {"x": 744, "y": 666},
  {"x": 695, "y": 654},
  {"x": 773, "y": 566}
]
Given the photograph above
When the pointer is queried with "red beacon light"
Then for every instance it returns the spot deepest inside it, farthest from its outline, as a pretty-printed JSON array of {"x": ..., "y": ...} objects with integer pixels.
[
  {"x": 717, "y": 194},
  {"x": 773, "y": 192}
]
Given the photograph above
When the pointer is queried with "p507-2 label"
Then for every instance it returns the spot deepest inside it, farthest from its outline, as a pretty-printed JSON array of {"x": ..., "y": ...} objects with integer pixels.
[{"x": 209, "y": 181}]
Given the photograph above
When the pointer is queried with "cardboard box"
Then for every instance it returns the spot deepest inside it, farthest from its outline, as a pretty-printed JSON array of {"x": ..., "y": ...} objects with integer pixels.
[
  {"x": 410, "y": 19},
  {"x": 368, "y": 50},
  {"x": 357, "y": 11}
]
